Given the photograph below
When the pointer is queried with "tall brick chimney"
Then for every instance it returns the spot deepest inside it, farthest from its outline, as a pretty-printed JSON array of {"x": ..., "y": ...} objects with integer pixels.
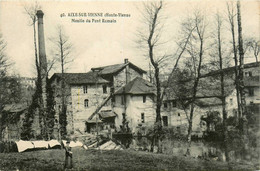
[{"x": 42, "y": 56}]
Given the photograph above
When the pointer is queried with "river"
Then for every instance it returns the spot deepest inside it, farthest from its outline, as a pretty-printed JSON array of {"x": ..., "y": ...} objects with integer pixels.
[{"x": 198, "y": 149}]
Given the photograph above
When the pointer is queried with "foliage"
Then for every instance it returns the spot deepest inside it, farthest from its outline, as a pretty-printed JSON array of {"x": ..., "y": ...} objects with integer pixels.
[
  {"x": 50, "y": 110},
  {"x": 63, "y": 121},
  {"x": 211, "y": 118},
  {"x": 111, "y": 160},
  {"x": 10, "y": 87},
  {"x": 27, "y": 132}
]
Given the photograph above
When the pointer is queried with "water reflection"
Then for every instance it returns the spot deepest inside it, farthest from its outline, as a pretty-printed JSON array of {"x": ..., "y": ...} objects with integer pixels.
[{"x": 198, "y": 149}]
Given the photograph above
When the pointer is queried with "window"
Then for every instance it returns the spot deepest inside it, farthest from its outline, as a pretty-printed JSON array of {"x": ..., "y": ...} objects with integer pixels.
[
  {"x": 144, "y": 98},
  {"x": 58, "y": 80},
  {"x": 174, "y": 103},
  {"x": 104, "y": 89},
  {"x": 112, "y": 89},
  {"x": 122, "y": 100},
  {"x": 179, "y": 114},
  {"x": 165, "y": 104},
  {"x": 248, "y": 74},
  {"x": 85, "y": 89},
  {"x": 142, "y": 117},
  {"x": 251, "y": 91},
  {"x": 124, "y": 119},
  {"x": 165, "y": 120},
  {"x": 231, "y": 101},
  {"x": 113, "y": 99},
  {"x": 86, "y": 103}
]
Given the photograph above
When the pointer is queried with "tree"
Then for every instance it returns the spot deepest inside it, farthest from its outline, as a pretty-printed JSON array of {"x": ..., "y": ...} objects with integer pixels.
[
  {"x": 212, "y": 118},
  {"x": 39, "y": 105},
  {"x": 62, "y": 51},
  {"x": 31, "y": 11},
  {"x": 4, "y": 98},
  {"x": 241, "y": 63},
  {"x": 10, "y": 87},
  {"x": 231, "y": 16},
  {"x": 196, "y": 56},
  {"x": 151, "y": 37},
  {"x": 219, "y": 21}
]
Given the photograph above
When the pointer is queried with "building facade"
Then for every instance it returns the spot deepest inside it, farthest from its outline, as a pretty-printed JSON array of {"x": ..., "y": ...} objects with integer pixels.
[
  {"x": 117, "y": 97},
  {"x": 85, "y": 93}
]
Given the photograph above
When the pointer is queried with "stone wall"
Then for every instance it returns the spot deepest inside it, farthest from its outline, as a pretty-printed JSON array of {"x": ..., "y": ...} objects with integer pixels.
[
  {"x": 120, "y": 79},
  {"x": 135, "y": 107},
  {"x": 94, "y": 95}
]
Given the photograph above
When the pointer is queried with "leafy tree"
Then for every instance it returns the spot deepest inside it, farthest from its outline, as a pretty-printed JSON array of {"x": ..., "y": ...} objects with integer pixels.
[{"x": 212, "y": 118}]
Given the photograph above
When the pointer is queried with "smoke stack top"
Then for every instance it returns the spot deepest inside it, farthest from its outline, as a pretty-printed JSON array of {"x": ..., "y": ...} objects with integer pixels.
[{"x": 39, "y": 14}]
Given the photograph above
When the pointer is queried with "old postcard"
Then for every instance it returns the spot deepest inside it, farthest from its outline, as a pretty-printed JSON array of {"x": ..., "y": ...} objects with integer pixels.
[{"x": 107, "y": 85}]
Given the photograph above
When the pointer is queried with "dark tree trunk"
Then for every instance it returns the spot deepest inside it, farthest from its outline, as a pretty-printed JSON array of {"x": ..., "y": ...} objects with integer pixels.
[
  {"x": 222, "y": 84},
  {"x": 158, "y": 124},
  {"x": 232, "y": 27},
  {"x": 195, "y": 87},
  {"x": 241, "y": 69}
]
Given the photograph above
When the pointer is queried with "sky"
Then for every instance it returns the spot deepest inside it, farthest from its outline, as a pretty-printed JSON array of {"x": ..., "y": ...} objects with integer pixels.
[{"x": 99, "y": 44}]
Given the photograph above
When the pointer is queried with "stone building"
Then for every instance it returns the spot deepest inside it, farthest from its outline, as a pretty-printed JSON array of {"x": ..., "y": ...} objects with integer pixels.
[
  {"x": 208, "y": 98},
  {"x": 135, "y": 104},
  {"x": 122, "y": 99},
  {"x": 86, "y": 93}
]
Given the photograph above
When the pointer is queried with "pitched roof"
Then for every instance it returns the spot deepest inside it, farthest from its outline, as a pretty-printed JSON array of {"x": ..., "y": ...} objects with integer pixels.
[
  {"x": 231, "y": 69},
  {"x": 205, "y": 102},
  {"x": 107, "y": 114},
  {"x": 94, "y": 120},
  {"x": 111, "y": 69},
  {"x": 137, "y": 86},
  {"x": 81, "y": 78}
]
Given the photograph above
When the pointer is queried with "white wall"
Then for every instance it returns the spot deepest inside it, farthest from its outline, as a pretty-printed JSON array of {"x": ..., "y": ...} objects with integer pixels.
[
  {"x": 135, "y": 107},
  {"x": 95, "y": 97}
]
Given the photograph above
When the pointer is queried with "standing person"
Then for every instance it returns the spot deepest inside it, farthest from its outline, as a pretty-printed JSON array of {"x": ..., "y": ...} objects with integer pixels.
[{"x": 68, "y": 156}]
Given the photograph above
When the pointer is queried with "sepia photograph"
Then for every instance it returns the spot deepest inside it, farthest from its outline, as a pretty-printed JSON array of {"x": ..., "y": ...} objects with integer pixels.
[{"x": 129, "y": 85}]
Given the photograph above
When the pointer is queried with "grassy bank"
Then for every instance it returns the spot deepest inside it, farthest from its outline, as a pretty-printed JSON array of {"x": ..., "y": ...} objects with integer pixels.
[{"x": 111, "y": 160}]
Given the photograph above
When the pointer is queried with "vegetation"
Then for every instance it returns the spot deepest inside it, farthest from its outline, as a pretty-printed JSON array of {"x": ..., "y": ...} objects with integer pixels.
[
  {"x": 111, "y": 160},
  {"x": 10, "y": 87},
  {"x": 62, "y": 53},
  {"x": 43, "y": 96},
  {"x": 151, "y": 38}
]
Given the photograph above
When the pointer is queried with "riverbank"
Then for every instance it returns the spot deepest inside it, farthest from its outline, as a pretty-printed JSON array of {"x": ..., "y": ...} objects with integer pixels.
[{"x": 112, "y": 160}]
